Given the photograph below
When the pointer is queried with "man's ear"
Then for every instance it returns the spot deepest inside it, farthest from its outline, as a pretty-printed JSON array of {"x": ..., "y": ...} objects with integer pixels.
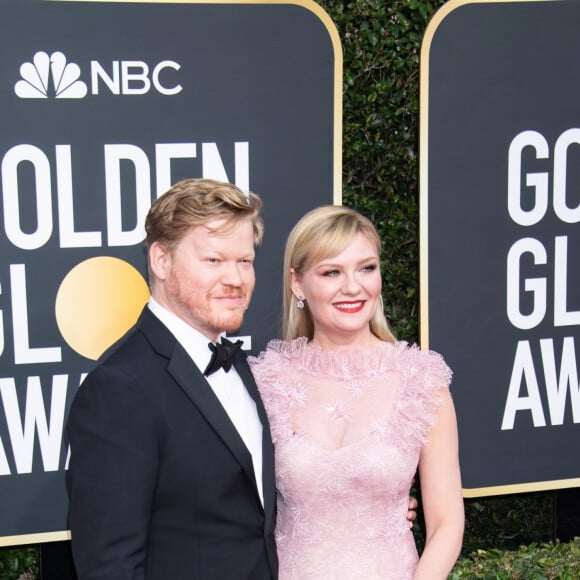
[
  {"x": 159, "y": 260},
  {"x": 295, "y": 284}
]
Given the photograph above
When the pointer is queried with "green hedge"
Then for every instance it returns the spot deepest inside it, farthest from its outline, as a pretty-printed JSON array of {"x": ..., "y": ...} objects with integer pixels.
[
  {"x": 533, "y": 562},
  {"x": 381, "y": 44},
  {"x": 19, "y": 563}
]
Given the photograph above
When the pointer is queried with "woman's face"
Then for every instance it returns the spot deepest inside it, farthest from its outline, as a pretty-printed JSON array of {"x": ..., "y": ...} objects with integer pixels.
[{"x": 342, "y": 293}]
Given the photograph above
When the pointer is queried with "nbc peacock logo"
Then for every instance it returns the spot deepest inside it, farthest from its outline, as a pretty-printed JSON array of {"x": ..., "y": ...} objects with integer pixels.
[{"x": 36, "y": 77}]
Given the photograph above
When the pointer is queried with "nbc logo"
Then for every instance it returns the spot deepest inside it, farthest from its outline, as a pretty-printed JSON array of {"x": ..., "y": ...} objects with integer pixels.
[
  {"x": 125, "y": 77},
  {"x": 36, "y": 75}
]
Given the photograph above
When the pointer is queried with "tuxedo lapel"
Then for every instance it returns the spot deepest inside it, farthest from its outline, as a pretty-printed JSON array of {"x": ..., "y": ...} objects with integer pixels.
[
  {"x": 241, "y": 365},
  {"x": 196, "y": 387},
  {"x": 198, "y": 390},
  {"x": 268, "y": 478}
]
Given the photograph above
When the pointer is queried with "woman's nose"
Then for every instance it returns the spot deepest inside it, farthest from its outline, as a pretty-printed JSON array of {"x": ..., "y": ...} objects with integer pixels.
[{"x": 351, "y": 284}]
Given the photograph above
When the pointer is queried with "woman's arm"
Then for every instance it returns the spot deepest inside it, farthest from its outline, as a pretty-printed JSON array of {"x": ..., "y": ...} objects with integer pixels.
[{"x": 441, "y": 495}]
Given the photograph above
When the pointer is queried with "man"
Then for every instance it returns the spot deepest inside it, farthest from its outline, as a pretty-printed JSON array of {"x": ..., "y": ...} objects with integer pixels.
[{"x": 172, "y": 468}]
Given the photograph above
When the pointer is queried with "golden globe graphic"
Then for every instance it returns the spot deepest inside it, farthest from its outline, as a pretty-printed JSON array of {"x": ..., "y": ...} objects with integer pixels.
[{"x": 97, "y": 302}]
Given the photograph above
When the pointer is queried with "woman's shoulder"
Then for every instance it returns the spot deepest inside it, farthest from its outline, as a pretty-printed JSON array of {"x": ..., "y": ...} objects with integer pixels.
[
  {"x": 427, "y": 365},
  {"x": 424, "y": 373},
  {"x": 275, "y": 372},
  {"x": 277, "y": 351},
  {"x": 274, "y": 363}
]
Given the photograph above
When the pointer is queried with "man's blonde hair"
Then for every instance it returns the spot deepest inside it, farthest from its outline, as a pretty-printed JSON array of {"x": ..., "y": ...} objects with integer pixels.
[{"x": 194, "y": 202}]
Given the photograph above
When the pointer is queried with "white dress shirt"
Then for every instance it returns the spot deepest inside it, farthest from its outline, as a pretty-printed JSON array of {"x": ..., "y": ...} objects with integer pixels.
[{"x": 228, "y": 387}]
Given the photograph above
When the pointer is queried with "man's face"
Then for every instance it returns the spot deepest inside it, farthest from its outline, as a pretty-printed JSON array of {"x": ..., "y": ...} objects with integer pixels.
[{"x": 208, "y": 278}]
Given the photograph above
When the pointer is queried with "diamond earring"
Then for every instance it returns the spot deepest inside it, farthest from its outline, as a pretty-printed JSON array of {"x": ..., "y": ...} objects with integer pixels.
[{"x": 299, "y": 303}]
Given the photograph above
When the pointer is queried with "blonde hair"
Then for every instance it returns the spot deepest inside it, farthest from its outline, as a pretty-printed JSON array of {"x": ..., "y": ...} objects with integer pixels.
[
  {"x": 195, "y": 202},
  {"x": 322, "y": 233}
]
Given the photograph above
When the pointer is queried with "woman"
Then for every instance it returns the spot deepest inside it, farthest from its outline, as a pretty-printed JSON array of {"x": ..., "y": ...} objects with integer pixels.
[{"x": 353, "y": 412}]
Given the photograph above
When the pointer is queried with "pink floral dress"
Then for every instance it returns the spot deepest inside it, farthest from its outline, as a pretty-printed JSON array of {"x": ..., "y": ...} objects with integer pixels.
[{"x": 348, "y": 428}]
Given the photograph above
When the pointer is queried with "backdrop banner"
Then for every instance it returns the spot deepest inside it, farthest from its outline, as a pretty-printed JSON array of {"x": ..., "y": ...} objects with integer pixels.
[
  {"x": 104, "y": 105},
  {"x": 500, "y": 235}
]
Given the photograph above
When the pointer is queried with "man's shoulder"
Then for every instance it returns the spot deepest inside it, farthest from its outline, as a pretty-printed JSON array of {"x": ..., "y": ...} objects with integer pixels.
[
  {"x": 144, "y": 348},
  {"x": 148, "y": 333}
]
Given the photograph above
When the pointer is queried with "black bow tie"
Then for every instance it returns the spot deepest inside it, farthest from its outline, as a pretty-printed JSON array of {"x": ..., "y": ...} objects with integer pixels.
[{"x": 224, "y": 353}]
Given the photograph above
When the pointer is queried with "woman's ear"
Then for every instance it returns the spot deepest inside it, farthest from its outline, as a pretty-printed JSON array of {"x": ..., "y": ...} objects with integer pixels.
[
  {"x": 295, "y": 284},
  {"x": 159, "y": 260}
]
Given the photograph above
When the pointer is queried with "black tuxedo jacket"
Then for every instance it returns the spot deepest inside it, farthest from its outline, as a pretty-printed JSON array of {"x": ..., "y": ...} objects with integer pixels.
[{"x": 161, "y": 485}]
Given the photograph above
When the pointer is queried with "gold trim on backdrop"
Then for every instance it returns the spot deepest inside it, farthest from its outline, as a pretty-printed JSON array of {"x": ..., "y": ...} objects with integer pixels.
[
  {"x": 338, "y": 66},
  {"x": 34, "y": 538},
  {"x": 521, "y": 487},
  {"x": 432, "y": 27}
]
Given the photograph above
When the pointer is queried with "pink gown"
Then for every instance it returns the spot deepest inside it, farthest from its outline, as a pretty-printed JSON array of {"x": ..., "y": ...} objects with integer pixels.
[{"x": 348, "y": 428}]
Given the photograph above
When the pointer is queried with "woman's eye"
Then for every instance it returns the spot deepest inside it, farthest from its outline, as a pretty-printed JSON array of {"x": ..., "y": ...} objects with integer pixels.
[{"x": 369, "y": 268}]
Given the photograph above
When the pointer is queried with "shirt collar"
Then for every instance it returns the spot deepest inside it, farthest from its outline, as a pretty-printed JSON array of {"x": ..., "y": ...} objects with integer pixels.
[{"x": 193, "y": 341}]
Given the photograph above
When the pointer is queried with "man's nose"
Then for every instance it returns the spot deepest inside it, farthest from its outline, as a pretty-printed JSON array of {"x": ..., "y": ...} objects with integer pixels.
[{"x": 232, "y": 276}]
